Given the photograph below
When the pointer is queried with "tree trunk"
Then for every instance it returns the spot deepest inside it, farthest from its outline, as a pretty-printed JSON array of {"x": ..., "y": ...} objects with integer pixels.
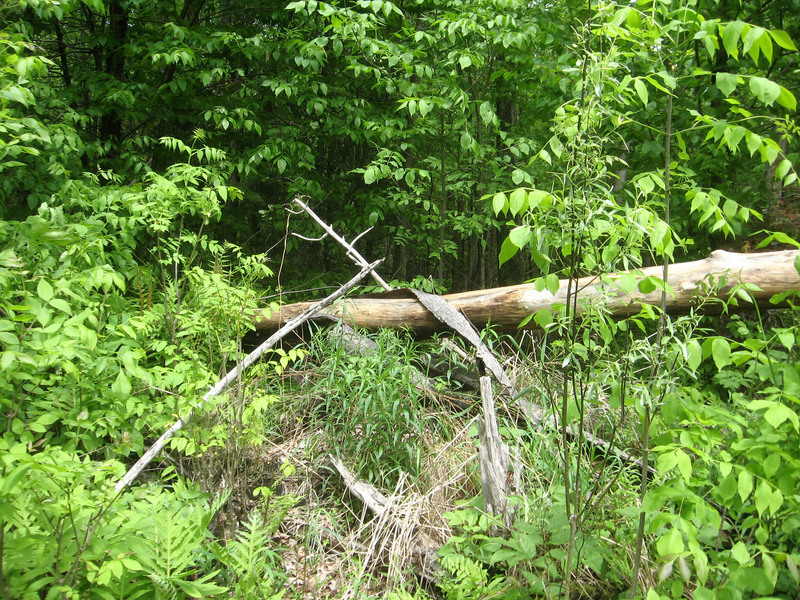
[
  {"x": 772, "y": 272},
  {"x": 111, "y": 122}
]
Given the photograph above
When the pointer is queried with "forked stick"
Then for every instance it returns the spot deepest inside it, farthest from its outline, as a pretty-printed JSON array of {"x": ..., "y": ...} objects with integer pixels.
[{"x": 351, "y": 251}]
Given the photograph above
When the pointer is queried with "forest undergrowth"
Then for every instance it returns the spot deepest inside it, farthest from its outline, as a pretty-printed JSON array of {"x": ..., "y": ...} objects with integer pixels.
[
  {"x": 147, "y": 150},
  {"x": 420, "y": 451}
]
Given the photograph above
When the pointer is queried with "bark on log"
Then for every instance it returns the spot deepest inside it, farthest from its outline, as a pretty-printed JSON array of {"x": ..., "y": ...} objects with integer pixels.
[{"x": 772, "y": 272}]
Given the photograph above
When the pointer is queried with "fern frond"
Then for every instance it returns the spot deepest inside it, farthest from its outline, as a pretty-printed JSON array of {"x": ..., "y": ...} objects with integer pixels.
[{"x": 164, "y": 588}]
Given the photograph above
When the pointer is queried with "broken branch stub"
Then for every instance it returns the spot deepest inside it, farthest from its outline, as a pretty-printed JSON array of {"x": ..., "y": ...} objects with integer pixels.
[{"x": 493, "y": 455}]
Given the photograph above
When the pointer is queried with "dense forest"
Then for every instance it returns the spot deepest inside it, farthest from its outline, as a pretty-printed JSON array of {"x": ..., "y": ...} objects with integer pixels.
[{"x": 150, "y": 152}]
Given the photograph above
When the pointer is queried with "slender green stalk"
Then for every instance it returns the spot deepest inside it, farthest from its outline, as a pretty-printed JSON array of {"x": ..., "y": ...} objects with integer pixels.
[
  {"x": 637, "y": 561},
  {"x": 571, "y": 505}
]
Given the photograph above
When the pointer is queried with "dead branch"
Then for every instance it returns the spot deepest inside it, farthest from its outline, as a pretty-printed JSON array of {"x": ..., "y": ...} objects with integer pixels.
[{"x": 236, "y": 372}]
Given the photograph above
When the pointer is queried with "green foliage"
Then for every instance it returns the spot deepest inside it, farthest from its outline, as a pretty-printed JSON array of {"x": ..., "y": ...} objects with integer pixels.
[
  {"x": 620, "y": 222},
  {"x": 252, "y": 566},
  {"x": 580, "y": 221},
  {"x": 377, "y": 420},
  {"x": 172, "y": 545},
  {"x": 726, "y": 513},
  {"x": 116, "y": 311},
  {"x": 70, "y": 348},
  {"x": 64, "y": 536},
  {"x": 529, "y": 559},
  {"x": 146, "y": 150}
]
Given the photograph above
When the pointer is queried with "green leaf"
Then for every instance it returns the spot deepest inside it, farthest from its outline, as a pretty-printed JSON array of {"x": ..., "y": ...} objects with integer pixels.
[
  {"x": 783, "y": 40},
  {"x": 684, "y": 464},
  {"x": 694, "y": 354},
  {"x": 646, "y": 184},
  {"x": 641, "y": 89},
  {"x": 519, "y": 236},
  {"x": 771, "y": 464},
  {"x": 507, "y": 250},
  {"x": 517, "y": 176},
  {"x": 667, "y": 461},
  {"x": 766, "y": 47},
  {"x": 721, "y": 352},
  {"x": 731, "y": 33},
  {"x": 701, "y": 593},
  {"x": 556, "y": 146},
  {"x": 499, "y": 202},
  {"x": 425, "y": 107},
  {"x": 517, "y": 201},
  {"x": 740, "y": 554},
  {"x": 776, "y": 501},
  {"x": 487, "y": 114},
  {"x": 783, "y": 168},
  {"x": 745, "y": 484},
  {"x": 121, "y": 386},
  {"x": 734, "y": 135},
  {"x": 670, "y": 544},
  {"x": 13, "y": 478},
  {"x": 61, "y": 305},
  {"x": 543, "y": 318},
  {"x": 633, "y": 20},
  {"x": 545, "y": 156},
  {"x": 787, "y": 99},
  {"x": 778, "y": 413},
  {"x": 727, "y": 487},
  {"x": 770, "y": 569},
  {"x": 726, "y": 82},
  {"x": 753, "y": 142},
  {"x": 200, "y": 588},
  {"x": 668, "y": 80},
  {"x": 762, "y": 497},
  {"x": 647, "y": 285},
  {"x": 17, "y": 94},
  {"x": 552, "y": 283},
  {"x": 44, "y": 290},
  {"x": 752, "y": 42},
  {"x": 502, "y": 555},
  {"x": 765, "y": 90},
  {"x": 791, "y": 566}
]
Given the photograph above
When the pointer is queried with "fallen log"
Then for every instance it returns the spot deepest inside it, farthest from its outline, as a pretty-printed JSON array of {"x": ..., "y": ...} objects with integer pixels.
[{"x": 506, "y": 307}]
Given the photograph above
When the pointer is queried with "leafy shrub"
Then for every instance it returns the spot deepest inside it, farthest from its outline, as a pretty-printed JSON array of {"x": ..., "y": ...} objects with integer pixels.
[
  {"x": 726, "y": 517},
  {"x": 66, "y": 535}
]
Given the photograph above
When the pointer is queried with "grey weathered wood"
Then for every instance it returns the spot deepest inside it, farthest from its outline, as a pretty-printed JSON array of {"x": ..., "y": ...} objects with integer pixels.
[
  {"x": 493, "y": 455},
  {"x": 446, "y": 313},
  {"x": 372, "y": 498},
  {"x": 352, "y": 253}
]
